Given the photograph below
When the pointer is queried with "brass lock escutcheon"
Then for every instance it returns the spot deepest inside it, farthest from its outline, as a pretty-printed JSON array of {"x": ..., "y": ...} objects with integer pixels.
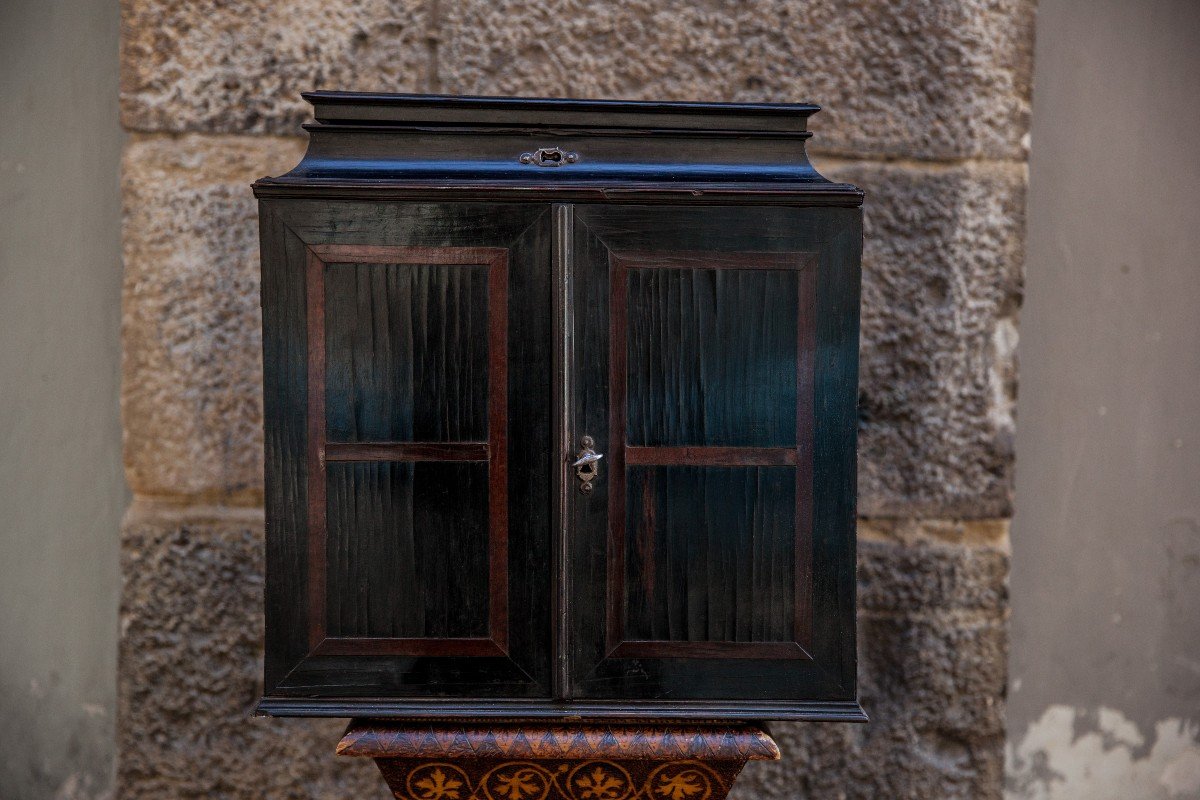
[
  {"x": 549, "y": 157},
  {"x": 587, "y": 464}
]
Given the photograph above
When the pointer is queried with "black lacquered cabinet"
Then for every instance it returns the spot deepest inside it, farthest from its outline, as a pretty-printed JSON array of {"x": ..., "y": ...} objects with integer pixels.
[{"x": 560, "y": 413}]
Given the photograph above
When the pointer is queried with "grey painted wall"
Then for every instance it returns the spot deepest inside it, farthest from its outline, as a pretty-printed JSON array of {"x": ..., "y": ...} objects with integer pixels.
[
  {"x": 61, "y": 485},
  {"x": 1105, "y": 668}
]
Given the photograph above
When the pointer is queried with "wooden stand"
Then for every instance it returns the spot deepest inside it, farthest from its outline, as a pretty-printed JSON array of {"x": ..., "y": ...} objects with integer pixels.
[{"x": 536, "y": 761}]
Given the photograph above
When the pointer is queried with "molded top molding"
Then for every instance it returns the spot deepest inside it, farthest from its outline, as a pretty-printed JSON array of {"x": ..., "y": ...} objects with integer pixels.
[
  {"x": 381, "y": 146},
  {"x": 422, "y": 109}
]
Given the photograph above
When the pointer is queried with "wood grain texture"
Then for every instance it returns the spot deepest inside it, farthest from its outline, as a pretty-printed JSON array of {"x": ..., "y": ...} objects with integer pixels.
[
  {"x": 677, "y": 557},
  {"x": 364, "y": 597},
  {"x": 709, "y": 555},
  {"x": 285, "y": 438},
  {"x": 711, "y": 350},
  {"x": 397, "y": 646},
  {"x": 407, "y": 351},
  {"x": 406, "y": 451},
  {"x": 657, "y": 648},
  {"x": 408, "y": 550},
  {"x": 581, "y": 762},
  {"x": 314, "y": 277},
  {"x": 709, "y": 343},
  {"x": 806, "y": 354},
  {"x": 711, "y": 456},
  {"x": 648, "y": 742},
  {"x": 419, "y": 350},
  {"x": 618, "y": 423},
  {"x": 497, "y": 433}
]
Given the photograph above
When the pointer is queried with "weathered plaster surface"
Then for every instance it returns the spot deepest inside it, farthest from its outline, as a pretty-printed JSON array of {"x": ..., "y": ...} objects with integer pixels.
[
  {"x": 1072, "y": 753},
  {"x": 1105, "y": 694},
  {"x": 61, "y": 488}
]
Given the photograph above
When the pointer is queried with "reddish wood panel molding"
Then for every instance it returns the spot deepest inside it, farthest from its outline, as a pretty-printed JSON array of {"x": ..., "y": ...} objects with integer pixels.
[
  {"x": 494, "y": 451},
  {"x": 622, "y": 455},
  {"x": 406, "y": 451},
  {"x": 362, "y": 646},
  {"x": 667, "y": 649},
  {"x": 710, "y": 456},
  {"x": 314, "y": 275}
]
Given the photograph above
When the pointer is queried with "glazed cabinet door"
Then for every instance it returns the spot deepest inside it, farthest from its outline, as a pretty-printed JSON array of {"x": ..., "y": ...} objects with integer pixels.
[
  {"x": 714, "y": 354},
  {"x": 410, "y": 504}
]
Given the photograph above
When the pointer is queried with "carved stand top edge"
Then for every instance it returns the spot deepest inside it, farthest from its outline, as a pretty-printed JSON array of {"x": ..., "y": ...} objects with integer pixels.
[{"x": 636, "y": 742}]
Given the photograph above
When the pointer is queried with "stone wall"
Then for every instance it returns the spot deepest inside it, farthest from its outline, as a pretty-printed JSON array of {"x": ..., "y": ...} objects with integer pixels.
[{"x": 927, "y": 109}]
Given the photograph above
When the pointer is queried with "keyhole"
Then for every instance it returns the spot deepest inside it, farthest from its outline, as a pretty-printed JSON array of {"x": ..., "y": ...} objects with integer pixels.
[{"x": 551, "y": 156}]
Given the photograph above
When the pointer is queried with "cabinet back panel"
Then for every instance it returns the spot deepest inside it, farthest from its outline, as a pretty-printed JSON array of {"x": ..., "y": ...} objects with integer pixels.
[
  {"x": 407, "y": 352},
  {"x": 710, "y": 554},
  {"x": 407, "y": 550},
  {"x": 712, "y": 356}
]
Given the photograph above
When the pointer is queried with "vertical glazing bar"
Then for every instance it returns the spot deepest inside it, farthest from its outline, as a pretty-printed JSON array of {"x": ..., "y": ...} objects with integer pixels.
[{"x": 564, "y": 218}]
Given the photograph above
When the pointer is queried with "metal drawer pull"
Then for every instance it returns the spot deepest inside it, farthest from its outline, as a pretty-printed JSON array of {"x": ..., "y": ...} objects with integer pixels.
[
  {"x": 587, "y": 465},
  {"x": 549, "y": 157}
]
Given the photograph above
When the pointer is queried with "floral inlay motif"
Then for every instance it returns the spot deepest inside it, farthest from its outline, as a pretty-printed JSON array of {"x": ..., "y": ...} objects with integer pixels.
[
  {"x": 600, "y": 784},
  {"x": 519, "y": 784},
  {"x": 680, "y": 786},
  {"x": 437, "y": 785}
]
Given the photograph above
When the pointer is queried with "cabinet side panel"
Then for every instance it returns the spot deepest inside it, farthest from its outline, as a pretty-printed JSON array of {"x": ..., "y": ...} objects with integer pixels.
[
  {"x": 835, "y": 445},
  {"x": 285, "y": 366}
]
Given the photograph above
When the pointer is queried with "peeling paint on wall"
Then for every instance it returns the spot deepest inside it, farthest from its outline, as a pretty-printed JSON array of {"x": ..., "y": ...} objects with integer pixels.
[{"x": 1071, "y": 753}]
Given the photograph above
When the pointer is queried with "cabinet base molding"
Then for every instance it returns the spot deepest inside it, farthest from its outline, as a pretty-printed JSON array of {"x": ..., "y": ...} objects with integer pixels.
[{"x": 539, "y": 761}]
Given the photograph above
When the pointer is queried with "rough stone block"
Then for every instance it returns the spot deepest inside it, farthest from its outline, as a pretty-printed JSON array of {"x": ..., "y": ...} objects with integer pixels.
[
  {"x": 912, "y": 578},
  {"x": 942, "y": 278},
  {"x": 190, "y": 672},
  {"x": 936, "y": 728},
  {"x": 942, "y": 268},
  {"x": 933, "y": 672},
  {"x": 239, "y": 67},
  {"x": 191, "y": 394},
  {"x": 932, "y": 677},
  {"x": 911, "y": 748},
  {"x": 913, "y": 78}
]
